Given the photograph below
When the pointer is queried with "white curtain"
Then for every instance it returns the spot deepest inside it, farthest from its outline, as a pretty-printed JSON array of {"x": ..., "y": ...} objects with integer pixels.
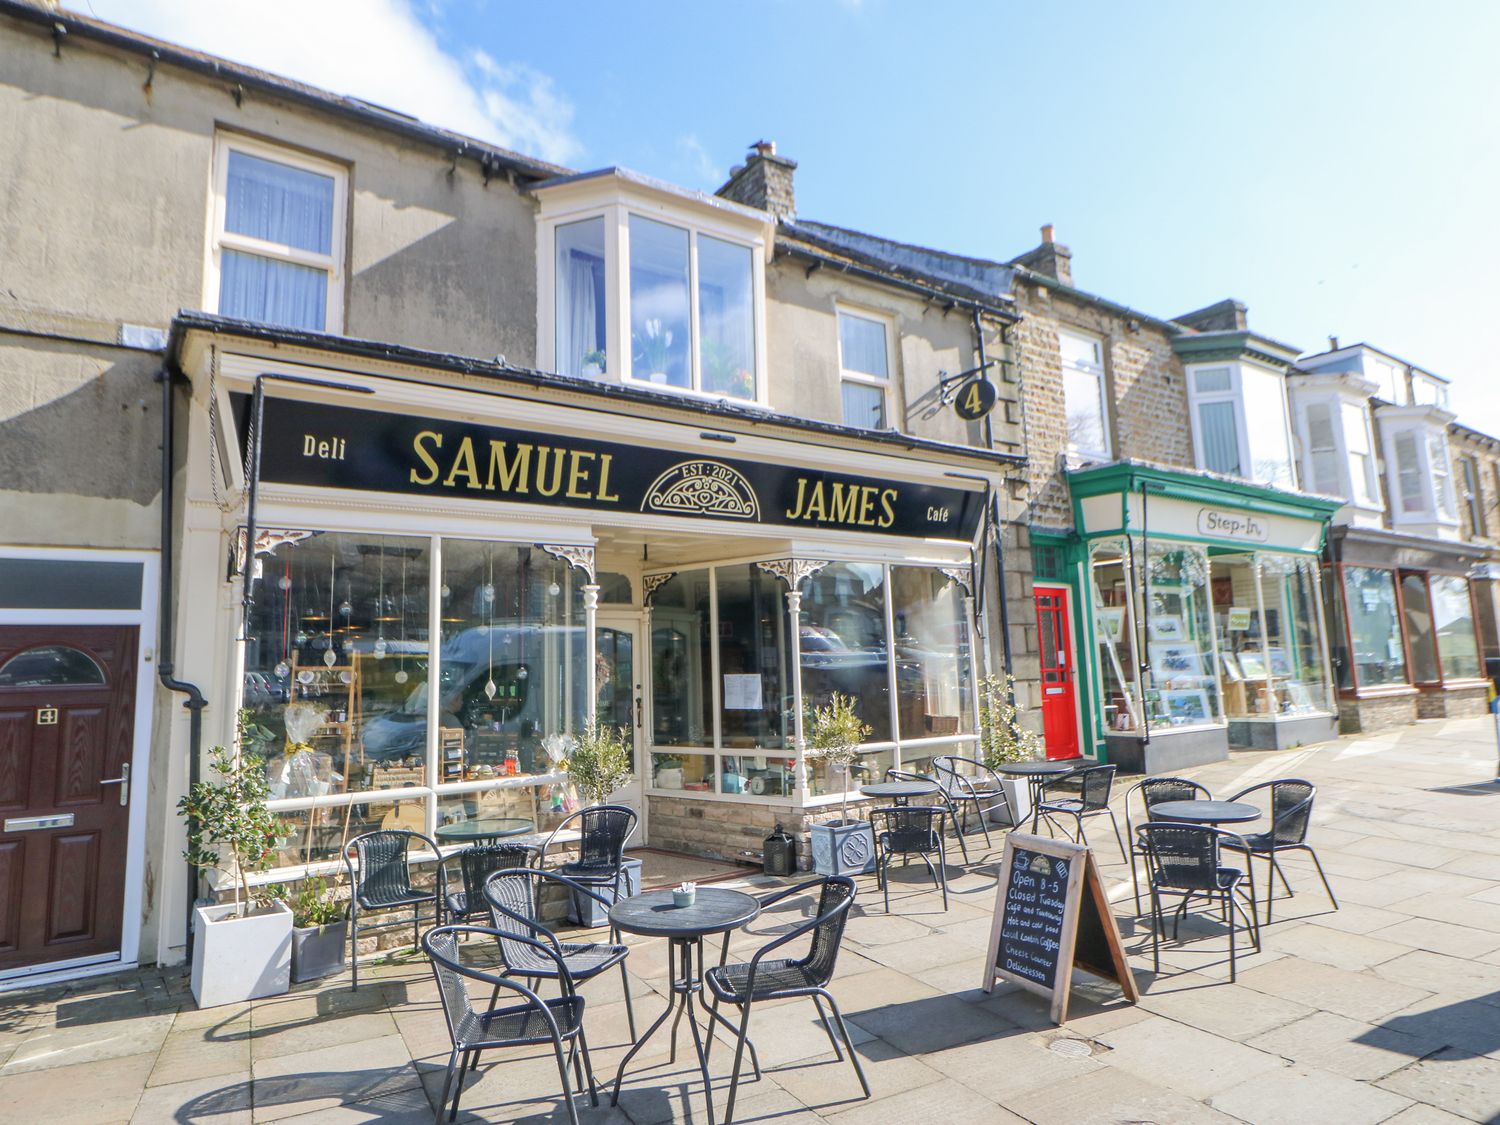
[
  {"x": 279, "y": 203},
  {"x": 577, "y": 319},
  {"x": 272, "y": 292},
  {"x": 1218, "y": 426}
]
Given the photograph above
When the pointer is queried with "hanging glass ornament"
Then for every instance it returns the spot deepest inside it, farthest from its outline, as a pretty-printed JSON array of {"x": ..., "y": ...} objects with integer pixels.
[
  {"x": 487, "y": 593},
  {"x": 447, "y": 593},
  {"x": 282, "y": 670},
  {"x": 301, "y": 637},
  {"x": 489, "y": 689},
  {"x": 400, "y": 677},
  {"x": 285, "y": 582},
  {"x": 554, "y": 589},
  {"x": 345, "y": 609},
  {"x": 330, "y": 658},
  {"x": 381, "y": 648},
  {"x": 521, "y": 672}
]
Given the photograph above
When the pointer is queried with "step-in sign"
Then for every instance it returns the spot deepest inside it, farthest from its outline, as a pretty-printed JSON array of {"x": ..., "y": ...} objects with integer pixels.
[
  {"x": 1051, "y": 916},
  {"x": 974, "y": 399}
]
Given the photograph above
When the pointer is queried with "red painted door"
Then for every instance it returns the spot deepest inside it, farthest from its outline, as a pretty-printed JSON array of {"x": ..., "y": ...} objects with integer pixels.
[
  {"x": 67, "y": 714},
  {"x": 1059, "y": 695}
]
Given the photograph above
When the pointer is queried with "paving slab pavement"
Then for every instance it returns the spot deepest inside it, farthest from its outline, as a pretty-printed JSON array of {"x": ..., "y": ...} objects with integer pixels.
[{"x": 1384, "y": 1010}]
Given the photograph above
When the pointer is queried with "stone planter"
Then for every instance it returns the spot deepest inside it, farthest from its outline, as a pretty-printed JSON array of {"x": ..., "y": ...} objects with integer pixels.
[
  {"x": 1018, "y": 792},
  {"x": 843, "y": 847},
  {"x": 237, "y": 959},
  {"x": 319, "y": 951},
  {"x": 585, "y": 911}
]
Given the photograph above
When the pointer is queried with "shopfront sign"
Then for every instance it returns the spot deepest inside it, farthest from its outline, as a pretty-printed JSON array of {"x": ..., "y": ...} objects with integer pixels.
[
  {"x": 1169, "y": 517},
  {"x": 1216, "y": 523},
  {"x": 368, "y": 450}
]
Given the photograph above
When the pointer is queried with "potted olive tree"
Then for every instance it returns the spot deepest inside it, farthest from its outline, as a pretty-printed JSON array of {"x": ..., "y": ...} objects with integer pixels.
[
  {"x": 320, "y": 931},
  {"x": 843, "y": 846},
  {"x": 1002, "y": 740},
  {"x": 601, "y": 761},
  {"x": 242, "y": 949}
]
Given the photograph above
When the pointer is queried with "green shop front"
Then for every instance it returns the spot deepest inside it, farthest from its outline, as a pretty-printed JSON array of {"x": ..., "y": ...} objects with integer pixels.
[{"x": 1198, "y": 608}]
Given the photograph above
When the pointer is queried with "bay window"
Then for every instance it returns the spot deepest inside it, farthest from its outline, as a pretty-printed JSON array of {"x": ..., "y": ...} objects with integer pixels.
[
  {"x": 643, "y": 284},
  {"x": 277, "y": 250},
  {"x": 1376, "y": 654},
  {"x": 1239, "y": 417},
  {"x": 1453, "y": 624},
  {"x": 1421, "y": 473}
]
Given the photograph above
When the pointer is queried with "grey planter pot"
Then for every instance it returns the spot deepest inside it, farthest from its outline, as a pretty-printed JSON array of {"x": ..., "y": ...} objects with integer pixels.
[
  {"x": 319, "y": 951},
  {"x": 844, "y": 847},
  {"x": 584, "y": 911}
]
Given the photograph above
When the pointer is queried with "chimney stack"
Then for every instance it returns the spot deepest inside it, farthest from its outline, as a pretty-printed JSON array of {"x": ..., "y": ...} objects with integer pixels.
[
  {"x": 764, "y": 181},
  {"x": 1333, "y": 343},
  {"x": 1051, "y": 257}
]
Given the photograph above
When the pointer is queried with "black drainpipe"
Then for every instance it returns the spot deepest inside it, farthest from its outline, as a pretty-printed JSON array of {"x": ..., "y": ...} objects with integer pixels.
[
  {"x": 989, "y": 440},
  {"x": 195, "y": 703}
]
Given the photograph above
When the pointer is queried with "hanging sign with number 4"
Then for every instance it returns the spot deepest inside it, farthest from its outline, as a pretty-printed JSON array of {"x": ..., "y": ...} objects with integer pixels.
[{"x": 974, "y": 400}]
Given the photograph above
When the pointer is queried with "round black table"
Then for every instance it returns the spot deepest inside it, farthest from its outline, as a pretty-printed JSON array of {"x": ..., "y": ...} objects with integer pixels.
[
  {"x": 1048, "y": 768},
  {"x": 899, "y": 791},
  {"x": 652, "y": 914},
  {"x": 483, "y": 828},
  {"x": 1205, "y": 812}
]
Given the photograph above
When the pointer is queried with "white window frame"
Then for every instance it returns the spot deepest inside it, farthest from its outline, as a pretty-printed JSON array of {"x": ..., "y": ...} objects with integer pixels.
[
  {"x": 1232, "y": 395},
  {"x": 888, "y": 329},
  {"x": 1439, "y": 512},
  {"x": 1343, "y": 487},
  {"x": 1471, "y": 494},
  {"x": 1102, "y": 379},
  {"x": 616, "y": 214},
  {"x": 219, "y": 239}
]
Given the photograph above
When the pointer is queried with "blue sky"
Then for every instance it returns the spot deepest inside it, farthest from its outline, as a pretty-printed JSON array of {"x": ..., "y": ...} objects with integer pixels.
[{"x": 1335, "y": 165}]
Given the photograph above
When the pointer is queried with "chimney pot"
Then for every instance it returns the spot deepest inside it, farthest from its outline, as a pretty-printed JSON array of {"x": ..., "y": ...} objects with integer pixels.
[
  {"x": 764, "y": 181},
  {"x": 1048, "y": 233},
  {"x": 1333, "y": 343},
  {"x": 765, "y": 148}
]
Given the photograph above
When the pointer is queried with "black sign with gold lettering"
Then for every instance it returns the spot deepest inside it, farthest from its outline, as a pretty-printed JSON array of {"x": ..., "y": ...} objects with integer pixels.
[
  {"x": 974, "y": 399},
  {"x": 369, "y": 450}
]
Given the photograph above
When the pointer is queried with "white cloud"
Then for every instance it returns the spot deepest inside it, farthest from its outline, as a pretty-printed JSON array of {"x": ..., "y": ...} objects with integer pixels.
[
  {"x": 693, "y": 157},
  {"x": 379, "y": 50}
]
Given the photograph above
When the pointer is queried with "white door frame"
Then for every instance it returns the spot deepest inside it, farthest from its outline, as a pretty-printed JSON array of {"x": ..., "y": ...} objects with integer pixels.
[
  {"x": 144, "y": 619},
  {"x": 633, "y": 622}
]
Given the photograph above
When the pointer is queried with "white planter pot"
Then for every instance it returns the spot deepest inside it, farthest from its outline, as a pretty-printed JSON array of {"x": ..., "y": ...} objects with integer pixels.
[
  {"x": 237, "y": 959},
  {"x": 1018, "y": 791},
  {"x": 669, "y": 779}
]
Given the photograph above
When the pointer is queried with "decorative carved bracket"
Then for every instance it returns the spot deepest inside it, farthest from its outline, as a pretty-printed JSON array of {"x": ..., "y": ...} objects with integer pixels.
[
  {"x": 574, "y": 555},
  {"x": 963, "y": 575},
  {"x": 792, "y": 571},
  {"x": 653, "y": 582},
  {"x": 267, "y": 539}
]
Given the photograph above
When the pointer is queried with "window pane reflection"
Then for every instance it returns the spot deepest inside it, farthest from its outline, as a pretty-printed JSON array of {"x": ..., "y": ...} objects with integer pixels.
[
  {"x": 726, "y": 318},
  {"x": 752, "y": 646},
  {"x": 932, "y": 653},
  {"x": 681, "y": 668},
  {"x": 844, "y": 647},
  {"x": 659, "y": 303}
]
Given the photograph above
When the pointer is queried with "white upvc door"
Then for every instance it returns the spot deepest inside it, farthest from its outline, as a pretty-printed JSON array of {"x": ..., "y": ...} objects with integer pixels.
[{"x": 620, "y": 683}]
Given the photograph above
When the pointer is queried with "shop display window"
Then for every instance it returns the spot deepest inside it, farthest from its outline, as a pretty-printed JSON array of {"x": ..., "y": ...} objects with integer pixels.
[
  {"x": 1114, "y": 634},
  {"x": 1269, "y": 633},
  {"x": 1376, "y": 652},
  {"x": 752, "y": 640},
  {"x": 682, "y": 661},
  {"x": 933, "y": 677},
  {"x": 1453, "y": 622},
  {"x": 1416, "y": 611},
  {"x": 1180, "y": 640}
]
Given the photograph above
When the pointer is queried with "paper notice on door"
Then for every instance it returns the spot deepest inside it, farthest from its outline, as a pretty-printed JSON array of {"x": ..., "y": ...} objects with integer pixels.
[{"x": 742, "y": 693}]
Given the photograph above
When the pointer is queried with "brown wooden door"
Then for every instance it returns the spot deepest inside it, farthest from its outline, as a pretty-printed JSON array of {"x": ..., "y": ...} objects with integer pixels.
[{"x": 67, "y": 716}]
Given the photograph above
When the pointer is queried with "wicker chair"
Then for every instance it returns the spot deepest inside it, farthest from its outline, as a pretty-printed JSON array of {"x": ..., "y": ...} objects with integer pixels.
[
  {"x": 1184, "y": 859},
  {"x": 980, "y": 792},
  {"x": 1094, "y": 785},
  {"x": 1291, "y": 816},
  {"x": 1153, "y": 791},
  {"x": 774, "y": 978},
  {"x": 475, "y": 865},
  {"x": 381, "y": 882},
  {"x": 534, "y": 1022},
  {"x": 909, "y": 830},
  {"x": 604, "y": 830},
  {"x": 512, "y": 898}
]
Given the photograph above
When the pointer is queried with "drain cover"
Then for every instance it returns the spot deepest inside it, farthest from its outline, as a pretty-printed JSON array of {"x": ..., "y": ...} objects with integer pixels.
[{"x": 1073, "y": 1048}]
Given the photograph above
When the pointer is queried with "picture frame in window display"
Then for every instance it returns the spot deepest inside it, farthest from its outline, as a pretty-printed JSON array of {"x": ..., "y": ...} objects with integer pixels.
[
  {"x": 1281, "y": 664},
  {"x": 1166, "y": 627},
  {"x": 1230, "y": 665},
  {"x": 1110, "y": 621},
  {"x": 1298, "y": 698},
  {"x": 1252, "y": 663},
  {"x": 1239, "y": 618},
  {"x": 1186, "y": 707},
  {"x": 1175, "y": 662}
]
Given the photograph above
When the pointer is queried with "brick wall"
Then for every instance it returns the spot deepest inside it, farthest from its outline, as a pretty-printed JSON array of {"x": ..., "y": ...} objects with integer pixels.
[
  {"x": 1484, "y": 453},
  {"x": 1360, "y": 715}
]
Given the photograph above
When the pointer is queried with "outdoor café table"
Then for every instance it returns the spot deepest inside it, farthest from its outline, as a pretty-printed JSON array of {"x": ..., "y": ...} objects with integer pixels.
[
  {"x": 899, "y": 791},
  {"x": 1037, "y": 773},
  {"x": 715, "y": 911},
  {"x": 483, "y": 828},
  {"x": 1205, "y": 812}
]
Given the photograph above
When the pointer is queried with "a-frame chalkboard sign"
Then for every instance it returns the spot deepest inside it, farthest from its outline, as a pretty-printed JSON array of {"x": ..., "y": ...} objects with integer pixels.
[{"x": 1051, "y": 916}]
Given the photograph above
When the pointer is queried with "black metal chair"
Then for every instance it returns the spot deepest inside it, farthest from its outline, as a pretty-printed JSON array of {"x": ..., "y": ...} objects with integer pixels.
[
  {"x": 603, "y": 831},
  {"x": 777, "y": 978},
  {"x": 513, "y": 898},
  {"x": 905, "y": 831},
  {"x": 1291, "y": 816},
  {"x": 534, "y": 1022},
  {"x": 381, "y": 882},
  {"x": 1094, "y": 785},
  {"x": 1184, "y": 859},
  {"x": 939, "y": 794},
  {"x": 980, "y": 791},
  {"x": 475, "y": 865},
  {"x": 1153, "y": 791}
]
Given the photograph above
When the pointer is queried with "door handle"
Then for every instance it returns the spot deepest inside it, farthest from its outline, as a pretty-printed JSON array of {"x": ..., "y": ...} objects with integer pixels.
[
  {"x": 123, "y": 781},
  {"x": 637, "y": 712}
]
